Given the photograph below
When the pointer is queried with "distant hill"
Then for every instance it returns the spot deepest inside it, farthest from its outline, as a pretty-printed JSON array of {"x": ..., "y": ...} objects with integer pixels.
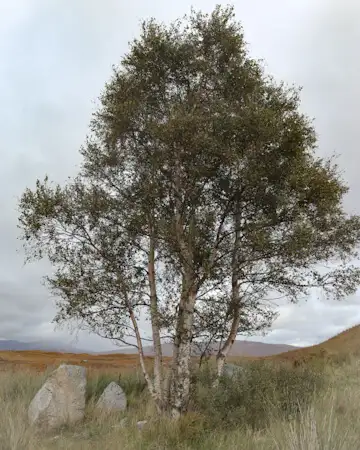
[
  {"x": 41, "y": 355},
  {"x": 343, "y": 344},
  {"x": 13, "y": 345},
  {"x": 240, "y": 348}
]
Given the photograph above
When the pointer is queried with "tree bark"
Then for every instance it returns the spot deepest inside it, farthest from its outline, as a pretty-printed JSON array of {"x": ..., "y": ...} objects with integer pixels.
[
  {"x": 229, "y": 342},
  {"x": 180, "y": 381},
  {"x": 235, "y": 303},
  {"x": 154, "y": 314},
  {"x": 147, "y": 377}
]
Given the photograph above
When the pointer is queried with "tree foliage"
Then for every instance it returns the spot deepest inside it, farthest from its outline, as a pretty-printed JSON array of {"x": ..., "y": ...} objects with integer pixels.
[{"x": 200, "y": 192}]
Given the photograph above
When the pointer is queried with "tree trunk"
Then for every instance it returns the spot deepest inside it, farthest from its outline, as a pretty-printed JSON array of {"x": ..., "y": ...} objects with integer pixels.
[
  {"x": 179, "y": 383},
  {"x": 225, "y": 349},
  {"x": 154, "y": 314},
  {"x": 180, "y": 378},
  {"x": 147, "y": 377},
  {"x": 235, "y": 303}
]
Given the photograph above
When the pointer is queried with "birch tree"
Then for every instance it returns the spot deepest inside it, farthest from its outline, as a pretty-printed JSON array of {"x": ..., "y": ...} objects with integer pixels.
[{"x": 199, "y": 192}]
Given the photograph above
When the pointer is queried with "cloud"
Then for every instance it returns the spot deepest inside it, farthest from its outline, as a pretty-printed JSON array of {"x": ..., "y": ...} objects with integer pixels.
[
  {"x": 55, "y": 58},
  {"x": 314, "y": 321}
]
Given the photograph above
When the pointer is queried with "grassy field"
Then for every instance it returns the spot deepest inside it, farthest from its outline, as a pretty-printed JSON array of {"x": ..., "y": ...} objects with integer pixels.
[
  {"x": 306, "y": 399},
  {"x": 276, "y": 406}
]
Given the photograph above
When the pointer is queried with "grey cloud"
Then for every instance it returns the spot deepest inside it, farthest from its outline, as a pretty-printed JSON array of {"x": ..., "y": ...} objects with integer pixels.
[
  {"x": 332, "y": 91},
  {"x": 314, "y": 321},
  {"x": 23, "y": 308},
  {"x": 55, "y": 58}
]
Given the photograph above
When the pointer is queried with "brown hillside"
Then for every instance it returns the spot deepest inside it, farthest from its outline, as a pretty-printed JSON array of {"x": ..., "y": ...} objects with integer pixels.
[
  {"x": 340, "y": 346},
  {"x": 40, "y": 361}
]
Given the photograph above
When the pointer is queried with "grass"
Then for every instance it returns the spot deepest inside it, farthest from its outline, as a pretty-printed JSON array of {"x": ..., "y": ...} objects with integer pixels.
[
  {"x": 270, "y": 407},
  {"x": 258, "y": 394}
]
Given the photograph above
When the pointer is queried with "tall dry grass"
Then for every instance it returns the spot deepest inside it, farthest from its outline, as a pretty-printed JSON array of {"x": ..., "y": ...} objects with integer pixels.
[{"x": 268, "y": 408}]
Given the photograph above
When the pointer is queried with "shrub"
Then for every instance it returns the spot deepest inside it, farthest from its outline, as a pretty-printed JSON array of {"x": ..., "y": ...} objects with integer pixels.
[{"x": 256, "y": 395}]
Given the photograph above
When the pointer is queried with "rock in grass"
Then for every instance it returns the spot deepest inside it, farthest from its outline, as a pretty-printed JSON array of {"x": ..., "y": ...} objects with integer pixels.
[
  {"x": 140, "y": 425},
  {"x": 112, "y": 399},
  {"x": 61, "y": 399},
  {"x": 232, "y": 370}
]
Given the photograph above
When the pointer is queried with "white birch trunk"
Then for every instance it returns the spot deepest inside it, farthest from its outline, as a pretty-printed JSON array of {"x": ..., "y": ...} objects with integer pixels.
[
  {"x": 179, "y": 385},
  {"x": 235, "y": 304},
  {"x": 180, "y": 382},
  {"x": 227, "y": 346},
  {"x": 147, "y": 377},
  {"x": 154, "y": 314}
]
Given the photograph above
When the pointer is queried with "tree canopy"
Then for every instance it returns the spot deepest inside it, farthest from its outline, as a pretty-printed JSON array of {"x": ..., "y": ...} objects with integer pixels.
[{"x": 200, "y": 193}]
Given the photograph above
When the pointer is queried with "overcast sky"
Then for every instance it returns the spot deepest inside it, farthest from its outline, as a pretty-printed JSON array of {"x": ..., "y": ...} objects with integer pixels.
[{"x": 55, "y": 56}]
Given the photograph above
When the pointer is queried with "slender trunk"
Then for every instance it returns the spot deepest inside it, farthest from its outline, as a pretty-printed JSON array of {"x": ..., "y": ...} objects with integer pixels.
[
  {"x": 168, "y": 383},
  {"x": 235, "y": 303},
  {"x": 181, "y": 379},
  {"x": 203, "y": 355},
  {"x": 180, "y": 383},
  {"x": 141, "y": 355},
  {"x": 229, "y": 342},
  {"x": 208, "y": 350},
  {"x": 154, "y": 314},
  {"x": 172, "y": 372}
]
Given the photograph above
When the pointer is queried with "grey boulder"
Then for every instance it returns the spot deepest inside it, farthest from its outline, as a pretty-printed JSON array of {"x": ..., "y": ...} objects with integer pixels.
[
  {"x": 233, "y": 370},
  {"x": 112, "y": 399},
  {"x": 61, "y": 399}
]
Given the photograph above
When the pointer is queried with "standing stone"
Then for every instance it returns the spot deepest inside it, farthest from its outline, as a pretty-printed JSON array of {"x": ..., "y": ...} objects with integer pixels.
[
  {"x": 112, "y": 399},
  {"x": 233, "y": 370},
  {"x": 61, "y": 400}
]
